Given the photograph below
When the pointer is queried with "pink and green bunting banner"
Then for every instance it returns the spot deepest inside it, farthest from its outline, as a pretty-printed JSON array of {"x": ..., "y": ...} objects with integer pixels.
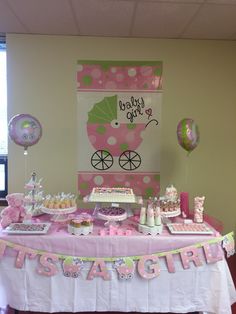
[{"x": 147, "y": 266}]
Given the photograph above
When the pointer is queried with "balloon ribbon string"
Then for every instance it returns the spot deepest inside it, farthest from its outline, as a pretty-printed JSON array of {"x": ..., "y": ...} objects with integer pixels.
[
  {"x": 186, "y": 172},
  {"x": 26, "y": 166}
]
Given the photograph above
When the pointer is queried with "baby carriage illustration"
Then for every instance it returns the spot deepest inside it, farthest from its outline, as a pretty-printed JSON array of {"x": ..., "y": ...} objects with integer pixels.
[
  {"x": 72, "y": 266},
  {"x": 112, "y": 138},
  {"x": 125, "y": 267}
]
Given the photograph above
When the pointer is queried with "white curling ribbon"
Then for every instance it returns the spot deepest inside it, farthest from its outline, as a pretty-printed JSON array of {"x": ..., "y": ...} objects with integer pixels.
[
  {"x": 157, "y": 216},
  {"x": 142, "y": 218},
  {"x": 150, "y": 216}
]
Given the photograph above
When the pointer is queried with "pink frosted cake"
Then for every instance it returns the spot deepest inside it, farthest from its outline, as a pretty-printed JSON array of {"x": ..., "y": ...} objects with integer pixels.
[
  {"x": 112, "y": 213},
  {"x": 120, "y": 195},
  {"x": 170, "y": 203}
]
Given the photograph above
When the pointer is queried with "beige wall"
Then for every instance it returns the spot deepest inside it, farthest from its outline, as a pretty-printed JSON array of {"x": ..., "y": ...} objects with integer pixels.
[{"x": 199, "y": 82}]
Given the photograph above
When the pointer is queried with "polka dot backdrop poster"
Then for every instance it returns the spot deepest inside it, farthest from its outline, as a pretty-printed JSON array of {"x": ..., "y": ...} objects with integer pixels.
[{"x": 119, "y": 122}]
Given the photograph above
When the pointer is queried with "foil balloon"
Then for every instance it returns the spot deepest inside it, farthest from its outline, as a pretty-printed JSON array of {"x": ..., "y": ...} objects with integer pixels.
[
  {"x": 24, "y": 130},
  {"x": 188, "y": 134}
]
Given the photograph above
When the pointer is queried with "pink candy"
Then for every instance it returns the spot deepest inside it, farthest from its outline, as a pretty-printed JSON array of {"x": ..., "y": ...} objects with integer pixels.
[{"x": 114, "y": 230}]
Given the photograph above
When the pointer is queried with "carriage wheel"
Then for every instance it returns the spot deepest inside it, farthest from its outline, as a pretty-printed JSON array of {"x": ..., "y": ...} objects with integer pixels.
[
  {"x": 75, "y": 275},
  {"x": 102, "y": 160},
  {"x": 122, "y": 276},
  {"x": 129, "y": 160},
  {"x": 130, "y": 276}
]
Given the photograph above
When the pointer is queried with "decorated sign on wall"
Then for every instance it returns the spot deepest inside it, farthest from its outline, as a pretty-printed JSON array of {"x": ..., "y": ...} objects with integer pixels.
[
  {"x": 147, "y": 266},
  {"x": 119, "y": 119}
]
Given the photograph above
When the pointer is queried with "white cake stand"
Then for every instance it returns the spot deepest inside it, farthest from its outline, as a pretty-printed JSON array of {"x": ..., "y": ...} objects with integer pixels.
[
  {"x": 112, "y": 220},
  {"x": 171, "y": 214},
  {"x": 98, "y": 203},
  {"x": 60, "y": 214}
]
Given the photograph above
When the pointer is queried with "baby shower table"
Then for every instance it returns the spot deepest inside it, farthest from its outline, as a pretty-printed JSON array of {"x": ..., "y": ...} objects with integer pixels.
[{"x": 208, "y": 288}]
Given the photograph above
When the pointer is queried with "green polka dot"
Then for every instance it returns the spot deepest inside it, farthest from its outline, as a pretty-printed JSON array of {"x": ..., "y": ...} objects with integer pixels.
[
  {"x": 131, "y": 126},
  {"x": 149, "y": 192},
  {"x": 83, "y": 186},
  {"x": 145, "y": 86},
  {"x": 156, "y": 177},
  {"x": 158, "y": 71},
  {"x": 87, "y": 80},
  {"x": 124, "y": 147},
  {"x": 101, "y": 129}
]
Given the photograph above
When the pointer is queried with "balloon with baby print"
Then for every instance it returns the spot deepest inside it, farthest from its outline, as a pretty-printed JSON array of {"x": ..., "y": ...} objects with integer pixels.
[
  {"x": 188, "y": 134},
  {"x": 24, "y": 130}
]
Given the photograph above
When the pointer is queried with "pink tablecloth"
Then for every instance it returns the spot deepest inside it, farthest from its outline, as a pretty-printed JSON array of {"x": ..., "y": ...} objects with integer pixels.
[
  {"x": 206, "y": 288},
  {"x": 58, "y": 240}
]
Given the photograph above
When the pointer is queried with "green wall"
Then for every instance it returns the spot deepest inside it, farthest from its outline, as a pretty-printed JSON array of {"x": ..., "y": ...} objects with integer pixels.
[{"x": 199, "y": 82}]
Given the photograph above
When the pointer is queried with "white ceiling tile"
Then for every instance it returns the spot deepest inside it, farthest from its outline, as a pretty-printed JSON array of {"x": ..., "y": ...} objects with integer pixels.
[
  {"x": 159, "y": 19},
  {"x": 213, "y": 21},
  {"x": 8, "y": 21},
  {"x": 196, "y": 19},
  {"x": 45, "y": 17},
  {"x": 104, "y": 17}
]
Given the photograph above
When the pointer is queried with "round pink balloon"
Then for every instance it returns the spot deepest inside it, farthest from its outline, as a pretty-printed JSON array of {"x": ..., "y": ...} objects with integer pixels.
[{"x": 24, "y": 130}]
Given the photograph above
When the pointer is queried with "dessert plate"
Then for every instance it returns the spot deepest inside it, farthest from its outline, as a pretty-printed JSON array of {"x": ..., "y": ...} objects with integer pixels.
[
  {"x": 27, "y": 228},
  {"x": 190, "y": 228}
]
